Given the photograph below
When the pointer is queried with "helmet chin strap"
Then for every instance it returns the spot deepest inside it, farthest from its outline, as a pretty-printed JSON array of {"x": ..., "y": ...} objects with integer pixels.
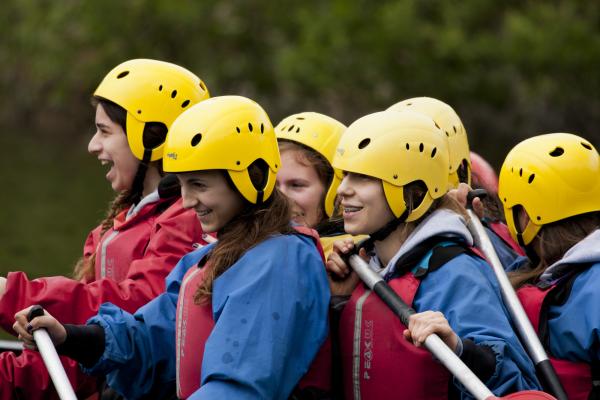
[
  {"x": 529, "y": 251},
  {"x": 383, "y": 232},
  {"x": 137, "y": 188}
]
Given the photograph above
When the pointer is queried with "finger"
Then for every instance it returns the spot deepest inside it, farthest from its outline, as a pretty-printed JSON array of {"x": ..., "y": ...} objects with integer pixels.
[
  {"x": 335, "y": 262},
  {"x": 478, "y": 207},
  {"x": 21, "y": 331},
  {"x": 334, "y": 271}
]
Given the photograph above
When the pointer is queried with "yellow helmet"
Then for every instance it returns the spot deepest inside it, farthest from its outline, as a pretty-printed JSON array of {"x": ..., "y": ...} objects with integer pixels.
[
  {"x": 320, "y": 133},
  {"x": 553, "y": 176},
  {"x": 150, "y": 91},
  {"x": 398, "y": 148},
  {"x": 448, "y": 121},
  {"x": 226, "y": 132}
]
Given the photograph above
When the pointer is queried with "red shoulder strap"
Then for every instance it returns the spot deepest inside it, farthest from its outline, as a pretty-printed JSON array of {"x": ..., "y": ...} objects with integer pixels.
[{"x": 311, "y": 233}]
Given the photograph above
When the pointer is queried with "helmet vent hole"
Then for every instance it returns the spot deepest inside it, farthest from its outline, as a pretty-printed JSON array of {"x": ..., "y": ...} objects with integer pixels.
[
  {"x": 531, "y": 177},
  {"x": 538, "y": 218},
  {"x": 421, "y": 147},
  {"x": 364, "y": 143},
  {"x": 433, "y": 152},
  {"x": 300, "y": 118},
  {"x": 557, "y": 152},
  {"x": 505, "y": 199},
  {"x": 395, "y": 176},
  {"x": 173, "y": 94},
  {"x": 454, "y": 127},
  {"x": 521, "y": 172},
  {"x": 512, "y": 169},
  {"x": 250, "y": 126},
  {"x": 160, "y": 88},
  {"x": 185, "y": 104},
  {"x": 202, "y": 86},
  {"x": 196, "y": 139},
  {"x": 139, "y": 111},
  {"x": 123, "y": 74},
  {"x": 447, "y": 134},
  {"x": 435, "y": 190},
  {"x": 409, "y": 104},
  {"x": 290, "y": 128},
  {"x": 297, "y": 129},
  {"x": 237, "y": 163},
  {"x": 237, "y": 128},
  {"x": 407, "y": 146},
  {"x": 262, "y": 128},
  {"x": 586, "y": 145},
  {"x": 436, "y": 125}
]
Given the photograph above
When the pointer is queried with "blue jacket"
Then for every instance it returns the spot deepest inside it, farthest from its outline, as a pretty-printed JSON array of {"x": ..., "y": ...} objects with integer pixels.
[
  {"x": 466, "y": 291},
  {"x": 272, "y": 302},
  {"x": 574, "y": 327}
]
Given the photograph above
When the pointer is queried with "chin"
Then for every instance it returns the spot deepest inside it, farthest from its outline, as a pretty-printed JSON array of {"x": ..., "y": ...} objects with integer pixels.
[{"x": 352, "y": 229}]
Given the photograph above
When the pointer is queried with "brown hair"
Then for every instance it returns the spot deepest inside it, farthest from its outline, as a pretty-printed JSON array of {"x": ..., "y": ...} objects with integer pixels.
[
  {"x": 253, "y": 225},
  {"x": 154, "y": 134},
  {"x": 311, "y": 158},
  {"x": 553, "y": 241}
]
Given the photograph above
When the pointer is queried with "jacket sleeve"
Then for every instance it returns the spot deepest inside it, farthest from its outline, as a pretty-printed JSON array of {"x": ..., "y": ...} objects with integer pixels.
[
  {"x": 138, "y": 358},
  {"x": 270, "y": 311},
  {"x": 575, "y": 326},
  {"x": 25, "y": 376},
  {"x": 173, "y": 234},
  {"x": 466, "y": 292}
]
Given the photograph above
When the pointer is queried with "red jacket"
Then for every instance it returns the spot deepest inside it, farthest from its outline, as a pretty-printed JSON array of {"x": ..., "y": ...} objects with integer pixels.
[{"x": 132, "y": 260}]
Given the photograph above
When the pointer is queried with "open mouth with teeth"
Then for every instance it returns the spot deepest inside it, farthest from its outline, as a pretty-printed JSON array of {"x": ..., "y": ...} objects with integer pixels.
[
  {"x": 202, "y": 213},
  {"x": 351, "y": 209}
]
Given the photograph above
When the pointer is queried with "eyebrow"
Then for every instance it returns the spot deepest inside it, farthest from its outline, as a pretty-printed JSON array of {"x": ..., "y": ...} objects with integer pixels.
[{"x": 101, "y": 125}]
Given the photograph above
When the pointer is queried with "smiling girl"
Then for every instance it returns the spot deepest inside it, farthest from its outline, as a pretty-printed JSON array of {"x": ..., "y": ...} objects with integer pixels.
[
  {"x": 242, "y": 318},
  {"x": 145, "y": 232},
  {"x": 395, "y": 178}
]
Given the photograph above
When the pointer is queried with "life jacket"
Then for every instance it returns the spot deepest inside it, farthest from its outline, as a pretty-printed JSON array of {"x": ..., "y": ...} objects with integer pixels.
[
  {"x": 580, "y": 380},
  {"x": 194, "y": 323},
  {"x": 127, "y": 240},
  {"x": 501, "y": 230},
  {"x": 374, "y": 352}
]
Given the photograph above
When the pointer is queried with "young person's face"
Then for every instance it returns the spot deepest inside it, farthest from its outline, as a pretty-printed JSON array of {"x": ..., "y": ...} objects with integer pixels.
[
  {"x": 109, "y": 145},
  {"x": 209, "y": 194},
  {"x": 302, "y": 186},
  {"x": 364, "y": 204}
]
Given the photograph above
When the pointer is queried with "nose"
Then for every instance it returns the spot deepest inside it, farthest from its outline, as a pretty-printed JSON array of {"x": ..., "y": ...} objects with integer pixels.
[
  {"x": 345, "y": 188},
  {"x": 188, "y": 201},
  {"x": 95, "y": 144}
]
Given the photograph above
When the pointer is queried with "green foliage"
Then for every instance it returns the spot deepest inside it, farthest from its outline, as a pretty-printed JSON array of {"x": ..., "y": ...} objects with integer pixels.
[{"x": 511, "y": 69}]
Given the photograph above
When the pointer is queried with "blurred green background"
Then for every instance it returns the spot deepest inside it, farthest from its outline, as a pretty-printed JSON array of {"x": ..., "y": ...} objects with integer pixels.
[{"x": 511, "y": 69}]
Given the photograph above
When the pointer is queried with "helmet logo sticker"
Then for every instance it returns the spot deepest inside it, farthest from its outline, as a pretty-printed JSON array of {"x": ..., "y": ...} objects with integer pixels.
[
  {"x": 172, "y": 155},
  {"x": 340, "y": 151}
]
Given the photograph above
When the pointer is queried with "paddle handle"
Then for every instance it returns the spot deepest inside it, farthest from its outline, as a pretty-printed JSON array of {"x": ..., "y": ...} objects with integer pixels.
[{"x": 51, "y": 359}]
